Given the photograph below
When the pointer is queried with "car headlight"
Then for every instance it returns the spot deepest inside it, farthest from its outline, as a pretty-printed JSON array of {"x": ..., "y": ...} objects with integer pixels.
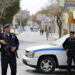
[{"x": 29, "y": 54}]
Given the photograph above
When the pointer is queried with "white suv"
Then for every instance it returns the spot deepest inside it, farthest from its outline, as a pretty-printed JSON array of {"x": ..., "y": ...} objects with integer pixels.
[{"x": 46, "y": 57}]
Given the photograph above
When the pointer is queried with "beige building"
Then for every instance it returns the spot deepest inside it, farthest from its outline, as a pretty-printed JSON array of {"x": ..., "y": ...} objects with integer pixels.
[{"x": 66, "y": 25}]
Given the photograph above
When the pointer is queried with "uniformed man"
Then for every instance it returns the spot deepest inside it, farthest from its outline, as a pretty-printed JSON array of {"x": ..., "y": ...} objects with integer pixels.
[
  {"x": 69, "y": 46},
  {"x": 9, "y": 46}
]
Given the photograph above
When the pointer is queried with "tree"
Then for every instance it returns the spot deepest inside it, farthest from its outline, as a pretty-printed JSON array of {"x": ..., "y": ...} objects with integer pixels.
[
  {"x": 8, "y": 8},
  {"x": 33, "y": 18},
  {"x": 22, "y": 17},
  {"x": 56, "y": 11}
]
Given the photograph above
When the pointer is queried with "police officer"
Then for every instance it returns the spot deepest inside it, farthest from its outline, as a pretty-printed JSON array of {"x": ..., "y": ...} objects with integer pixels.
[
  {"x": 9, "y": 46},
  {"x": 69, "y": 46}
]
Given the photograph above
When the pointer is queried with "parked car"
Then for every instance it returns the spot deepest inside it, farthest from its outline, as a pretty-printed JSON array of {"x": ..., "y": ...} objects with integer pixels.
[
  {"x": 46, "y": 58},
  {"x": 34, "y": 28}
]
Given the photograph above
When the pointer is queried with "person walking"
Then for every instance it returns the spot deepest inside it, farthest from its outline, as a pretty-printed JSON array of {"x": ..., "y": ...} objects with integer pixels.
[
  {"x": 9, "y": 46},
  {"x": 69, "y": 46},
  {"x": 41, "y": 31},
  {"x": 47, "y": 33}
]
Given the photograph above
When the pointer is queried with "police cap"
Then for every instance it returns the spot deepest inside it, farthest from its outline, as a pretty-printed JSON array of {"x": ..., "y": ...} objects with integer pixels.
[{"x": 6, "y": 26}]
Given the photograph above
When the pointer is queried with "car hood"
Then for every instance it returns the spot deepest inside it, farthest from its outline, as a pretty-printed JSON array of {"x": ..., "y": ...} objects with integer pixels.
[{"x": 41, "y": 47}]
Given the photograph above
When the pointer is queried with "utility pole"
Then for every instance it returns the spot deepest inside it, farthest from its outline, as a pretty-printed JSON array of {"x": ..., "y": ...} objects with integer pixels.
[
  {"x": 51, "y": 17},
  {"x": 14, "y": 22}
]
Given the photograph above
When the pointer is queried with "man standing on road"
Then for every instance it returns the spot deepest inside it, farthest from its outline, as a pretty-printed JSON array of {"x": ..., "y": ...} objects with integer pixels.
[
  {"x": 9, "y": 46},
  {"x": 69, "y": 46}
]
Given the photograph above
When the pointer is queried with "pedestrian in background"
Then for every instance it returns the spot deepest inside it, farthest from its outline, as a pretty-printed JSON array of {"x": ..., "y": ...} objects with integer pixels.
[
  {"x": 47, "y": 33},
  {"x": 69, "y": 46},
  {"x": 41, "y": 31},
  {"x": 9, "y": 46}
]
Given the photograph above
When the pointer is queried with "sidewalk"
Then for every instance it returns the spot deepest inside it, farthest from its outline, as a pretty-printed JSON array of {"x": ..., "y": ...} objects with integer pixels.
[{"x": 51, "y": 38}]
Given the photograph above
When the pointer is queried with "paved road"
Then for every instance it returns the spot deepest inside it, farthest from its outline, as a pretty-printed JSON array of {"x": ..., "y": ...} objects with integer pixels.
[{"x": 28, "y": 39}]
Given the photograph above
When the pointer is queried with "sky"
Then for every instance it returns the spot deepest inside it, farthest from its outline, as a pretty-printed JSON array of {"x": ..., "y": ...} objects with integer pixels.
[{"x": 33, "y": 5}]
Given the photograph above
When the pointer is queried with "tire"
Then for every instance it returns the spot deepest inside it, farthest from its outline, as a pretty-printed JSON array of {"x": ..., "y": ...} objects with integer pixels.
[{"x": 46, "y": 65}]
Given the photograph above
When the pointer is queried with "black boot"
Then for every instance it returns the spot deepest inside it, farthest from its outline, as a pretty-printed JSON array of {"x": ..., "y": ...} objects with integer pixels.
[{"x": 69, "y": 70}]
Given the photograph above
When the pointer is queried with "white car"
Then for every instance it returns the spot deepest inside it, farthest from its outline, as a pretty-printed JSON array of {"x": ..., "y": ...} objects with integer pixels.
[{"x": 47, "y": 57}]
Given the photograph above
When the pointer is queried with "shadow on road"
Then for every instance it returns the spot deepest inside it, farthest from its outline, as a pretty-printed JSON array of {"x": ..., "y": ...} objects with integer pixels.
[
  {"x": 34, "y": 72},
  {"x": 27, "y": 42}
]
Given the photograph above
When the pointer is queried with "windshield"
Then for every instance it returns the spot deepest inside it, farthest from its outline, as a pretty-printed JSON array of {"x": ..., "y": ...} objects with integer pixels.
[{"x": 61, "y": 40}]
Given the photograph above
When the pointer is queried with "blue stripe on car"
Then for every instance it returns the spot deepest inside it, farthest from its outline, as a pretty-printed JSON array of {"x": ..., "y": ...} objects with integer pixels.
[{"x": 48, "y": 49}]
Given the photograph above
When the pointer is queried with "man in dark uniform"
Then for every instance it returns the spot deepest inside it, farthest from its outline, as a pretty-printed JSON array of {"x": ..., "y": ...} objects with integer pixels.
[
  {"x": 9, "y": 46},
  {"x": 69, "y": 46}
]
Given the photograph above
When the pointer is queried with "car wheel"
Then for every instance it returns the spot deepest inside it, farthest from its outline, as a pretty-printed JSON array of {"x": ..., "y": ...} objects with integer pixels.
[{"x": 46, "y": 65}]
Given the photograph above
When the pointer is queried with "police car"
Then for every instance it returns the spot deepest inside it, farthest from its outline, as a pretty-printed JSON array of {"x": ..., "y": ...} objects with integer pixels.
[{"x": 46, "y": 57}]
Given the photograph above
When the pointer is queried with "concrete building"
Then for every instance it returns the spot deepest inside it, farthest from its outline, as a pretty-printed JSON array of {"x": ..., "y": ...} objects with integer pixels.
[{"x": 70, "y": 4}]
